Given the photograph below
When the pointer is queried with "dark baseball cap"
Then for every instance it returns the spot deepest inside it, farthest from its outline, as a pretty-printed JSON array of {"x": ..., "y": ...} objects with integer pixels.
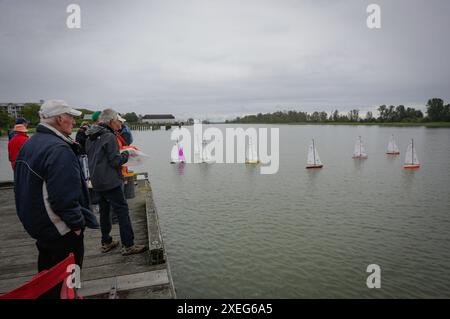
[{"x": 21, "y": 120}]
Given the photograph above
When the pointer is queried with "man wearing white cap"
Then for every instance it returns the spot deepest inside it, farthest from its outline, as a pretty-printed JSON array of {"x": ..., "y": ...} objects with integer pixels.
[
  {"x": 59, "y": 115},
  {"x": 51, "y": 195}
]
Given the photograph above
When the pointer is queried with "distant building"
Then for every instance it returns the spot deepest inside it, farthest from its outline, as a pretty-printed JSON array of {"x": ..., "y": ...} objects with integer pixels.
[
  {"x": 14, "y": 109},
  {"x": 159, "y": 119}
]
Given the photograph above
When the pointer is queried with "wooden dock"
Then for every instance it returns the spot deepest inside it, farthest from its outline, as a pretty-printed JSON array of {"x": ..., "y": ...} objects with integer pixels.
[{"x": 108, "y": 275}]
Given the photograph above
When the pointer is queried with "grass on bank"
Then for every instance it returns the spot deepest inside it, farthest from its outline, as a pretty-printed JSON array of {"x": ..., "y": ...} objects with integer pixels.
[{"x": 398, "y": 124}]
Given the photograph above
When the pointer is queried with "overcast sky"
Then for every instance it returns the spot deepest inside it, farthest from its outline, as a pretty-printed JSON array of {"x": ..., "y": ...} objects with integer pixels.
[{"x": 221, "y": 58}]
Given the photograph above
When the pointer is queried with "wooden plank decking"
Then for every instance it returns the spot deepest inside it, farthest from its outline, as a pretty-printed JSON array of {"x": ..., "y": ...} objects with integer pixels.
[{"x": 109, "y": 275}]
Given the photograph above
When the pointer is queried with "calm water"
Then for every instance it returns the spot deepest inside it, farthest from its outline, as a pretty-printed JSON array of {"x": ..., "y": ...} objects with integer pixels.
[{"x": 233, "y": 233}]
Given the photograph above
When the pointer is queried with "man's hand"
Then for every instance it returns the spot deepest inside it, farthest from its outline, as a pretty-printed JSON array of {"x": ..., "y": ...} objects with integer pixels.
[
  {"x": 131, "y": 152},
  {"x": 78, "y": 232}
]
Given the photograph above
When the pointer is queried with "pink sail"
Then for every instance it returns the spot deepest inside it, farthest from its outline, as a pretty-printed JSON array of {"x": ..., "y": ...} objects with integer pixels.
[{"x": 181, "y": 154}]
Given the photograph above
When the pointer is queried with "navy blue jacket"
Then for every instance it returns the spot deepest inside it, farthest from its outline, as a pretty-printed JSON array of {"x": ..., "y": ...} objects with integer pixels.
[
  {"x": 125, "y": 132},
  {"x": 51, "y": 195}
]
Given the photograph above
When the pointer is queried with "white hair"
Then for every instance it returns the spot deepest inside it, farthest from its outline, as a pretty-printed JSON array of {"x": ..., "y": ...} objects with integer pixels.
[
  {"x": 49, "y": 120},
  {"x": 107, "y": 115}
]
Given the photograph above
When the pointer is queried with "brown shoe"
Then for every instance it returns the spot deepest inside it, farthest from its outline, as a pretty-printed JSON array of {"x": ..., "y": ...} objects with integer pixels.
[
  {"x": 135, "y": 249},
  {"x": 110, "y": 246}
]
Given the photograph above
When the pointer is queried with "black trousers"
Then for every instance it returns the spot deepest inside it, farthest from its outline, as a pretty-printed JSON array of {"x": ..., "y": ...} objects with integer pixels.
[
  {"x": 115, "y": 198},
  {"x": 53, "y": 252}
]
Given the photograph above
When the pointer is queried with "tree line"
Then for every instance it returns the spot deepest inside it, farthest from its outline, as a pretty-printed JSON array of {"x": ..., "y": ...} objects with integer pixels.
[{"x": 436, "y": 111}]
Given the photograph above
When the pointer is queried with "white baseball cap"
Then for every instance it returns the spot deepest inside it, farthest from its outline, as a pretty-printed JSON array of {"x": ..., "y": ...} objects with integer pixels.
[{"x": 52, "y": 108}]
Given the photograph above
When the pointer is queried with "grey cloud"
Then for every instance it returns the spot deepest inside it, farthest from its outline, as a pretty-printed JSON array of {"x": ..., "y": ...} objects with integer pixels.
[{"x": 213, "y": 58}]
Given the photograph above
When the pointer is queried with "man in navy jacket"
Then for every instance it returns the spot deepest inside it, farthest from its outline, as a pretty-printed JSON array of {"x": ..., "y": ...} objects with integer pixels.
[{"x": 51, "y": 195}]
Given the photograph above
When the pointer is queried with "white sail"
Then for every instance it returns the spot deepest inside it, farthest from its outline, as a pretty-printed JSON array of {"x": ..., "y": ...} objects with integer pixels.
[
  {"x": 359, "y": 151},
  {"x": 177, "y": 154},
  {"x": 206, "y": 157},
  {"x": 252, "y": 152},
  {"x": 392, "y": 146},
  {"x": 174, "y": 154},
  {"x": 313, "y": 156},
  {"x": 411, "y": 155},
  {"x": 197, "y": 149}
]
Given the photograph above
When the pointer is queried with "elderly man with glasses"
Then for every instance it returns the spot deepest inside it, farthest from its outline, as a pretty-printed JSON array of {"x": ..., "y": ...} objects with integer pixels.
[{"x": 51, "y": 193}]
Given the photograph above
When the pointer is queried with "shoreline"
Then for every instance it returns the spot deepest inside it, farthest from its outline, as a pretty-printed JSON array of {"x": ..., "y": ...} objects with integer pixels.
[{"x": 395, "y": 124}]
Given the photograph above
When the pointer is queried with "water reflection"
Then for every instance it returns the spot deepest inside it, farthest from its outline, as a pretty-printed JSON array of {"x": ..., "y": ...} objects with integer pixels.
[
  {"x": 204, "y": 168},
  {"x": 408, "y": 178},
  {"x": 313, "y": 174},
  {"x": 359, "y": 162},
  {"x": 252, "y": 169},
  {"x": 392, "y": 158},
  {"x": 180, "y": 168}
]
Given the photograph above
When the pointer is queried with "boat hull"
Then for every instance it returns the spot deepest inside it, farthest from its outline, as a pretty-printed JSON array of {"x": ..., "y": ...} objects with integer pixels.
[
  {"x": 393, "y": 153},
  {"x": 360, "y": 157},
  {"x": 313, "y": 166},
  {"x": 411, "y": 166},
  {"x": 252, "y": 162}
]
